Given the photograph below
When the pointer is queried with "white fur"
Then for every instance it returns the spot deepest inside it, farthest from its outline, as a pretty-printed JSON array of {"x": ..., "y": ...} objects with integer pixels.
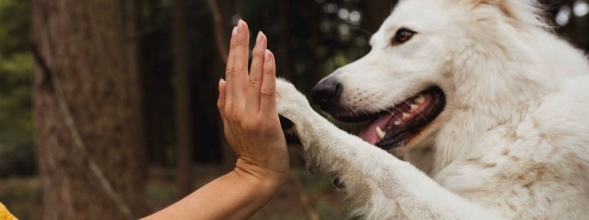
[{"x": 511, "y": 140}]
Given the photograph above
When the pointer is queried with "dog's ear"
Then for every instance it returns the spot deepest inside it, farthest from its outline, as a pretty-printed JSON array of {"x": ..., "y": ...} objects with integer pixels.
[{"x": 519, "y": 12}]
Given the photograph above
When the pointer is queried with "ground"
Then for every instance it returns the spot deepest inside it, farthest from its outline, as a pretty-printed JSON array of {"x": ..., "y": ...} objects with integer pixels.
[{"x": 21, "y": 194}]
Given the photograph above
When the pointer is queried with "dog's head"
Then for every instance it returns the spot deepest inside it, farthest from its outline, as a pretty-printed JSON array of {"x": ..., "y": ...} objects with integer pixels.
[{"x": 406, "y": 86}]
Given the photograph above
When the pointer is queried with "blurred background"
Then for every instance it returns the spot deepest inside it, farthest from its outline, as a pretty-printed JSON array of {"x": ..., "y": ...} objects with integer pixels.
[{"x": 107, "y": 108}]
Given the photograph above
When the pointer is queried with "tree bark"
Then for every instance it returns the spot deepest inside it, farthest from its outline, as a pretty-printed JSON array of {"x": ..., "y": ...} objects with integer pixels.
[
  {"x": 87, "y": 111},
  {"x": 184, "y": 127}
]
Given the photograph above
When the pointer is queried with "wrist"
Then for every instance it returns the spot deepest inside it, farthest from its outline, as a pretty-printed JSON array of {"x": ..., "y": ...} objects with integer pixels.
[
  {"x": 262, "y": 187},
  {"x": 260, "y": 175}
]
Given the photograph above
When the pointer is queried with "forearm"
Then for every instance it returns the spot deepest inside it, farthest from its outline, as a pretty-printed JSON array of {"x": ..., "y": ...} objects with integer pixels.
[{"x": 236, "y": 195}]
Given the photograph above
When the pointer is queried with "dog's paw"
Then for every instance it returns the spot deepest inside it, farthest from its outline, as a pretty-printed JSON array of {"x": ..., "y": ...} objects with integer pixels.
[{"x": 290, "y": 103}]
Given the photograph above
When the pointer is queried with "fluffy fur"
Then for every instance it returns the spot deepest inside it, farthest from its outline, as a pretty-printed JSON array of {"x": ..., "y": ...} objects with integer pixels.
[{"x": 511, "y": 142}]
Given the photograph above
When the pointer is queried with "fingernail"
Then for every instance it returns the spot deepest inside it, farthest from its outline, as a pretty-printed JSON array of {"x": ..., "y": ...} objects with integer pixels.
[
  {"x": 234, "y": 32},
  {"x": 259, "y": 39},
  {"x": 240, "y": 26},
  {"x": 268, "y": 56}
]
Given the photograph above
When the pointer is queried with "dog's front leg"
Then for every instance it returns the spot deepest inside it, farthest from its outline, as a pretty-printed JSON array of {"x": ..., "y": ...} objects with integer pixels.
[{"x": 380, "y": 185}]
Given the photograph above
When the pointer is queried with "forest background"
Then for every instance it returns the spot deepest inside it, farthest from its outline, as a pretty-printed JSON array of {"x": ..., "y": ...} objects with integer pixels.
[{"x": 107, "y": 108}]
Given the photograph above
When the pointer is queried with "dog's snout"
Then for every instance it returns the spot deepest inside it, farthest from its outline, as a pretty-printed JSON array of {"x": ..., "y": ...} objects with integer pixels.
[{"x": 327, "y": 93}]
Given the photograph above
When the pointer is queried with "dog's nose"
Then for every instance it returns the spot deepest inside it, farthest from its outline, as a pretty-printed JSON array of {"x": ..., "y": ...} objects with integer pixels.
[{"x": 327, "y": 93}]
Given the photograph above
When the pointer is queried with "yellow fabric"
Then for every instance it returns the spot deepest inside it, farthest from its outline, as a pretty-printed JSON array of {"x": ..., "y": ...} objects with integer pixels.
[{"x": 5, "y": 214}]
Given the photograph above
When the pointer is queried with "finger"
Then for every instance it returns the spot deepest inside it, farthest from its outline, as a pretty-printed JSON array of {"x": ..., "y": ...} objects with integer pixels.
[
  {"x": 268, "y": 89},
  {"x": 255, "y": 77},
  {"x": 222, "y": 97},
  {"x": 229, "y": 68},
  {"x": 237, "y": 67}
]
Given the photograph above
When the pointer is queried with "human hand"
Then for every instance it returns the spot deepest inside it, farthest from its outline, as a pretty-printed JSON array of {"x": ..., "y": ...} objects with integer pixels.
[{"x": 248, "y": 109}]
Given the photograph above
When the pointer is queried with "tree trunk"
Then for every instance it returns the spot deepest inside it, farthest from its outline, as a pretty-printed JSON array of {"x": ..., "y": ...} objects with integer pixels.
[
  {"x": 182, "y": 96},
  {"x": 284, "y": 51},
  {"x": 87, "y": 111},
  {"x": 136, "y": 84},
  {"x": 227, "y": 10}
]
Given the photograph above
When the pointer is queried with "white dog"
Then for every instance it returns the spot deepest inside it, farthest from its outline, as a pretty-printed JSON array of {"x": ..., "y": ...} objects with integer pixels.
[{"x": 487, "y": 109}]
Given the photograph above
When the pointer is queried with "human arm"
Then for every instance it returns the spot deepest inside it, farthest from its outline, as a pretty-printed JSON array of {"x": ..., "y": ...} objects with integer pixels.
[{"x": 252, "y": 128}]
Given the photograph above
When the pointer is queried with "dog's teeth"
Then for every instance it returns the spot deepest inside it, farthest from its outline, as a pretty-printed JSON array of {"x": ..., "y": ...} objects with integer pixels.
[
  {"x": 420, "y": 99},
  {"x": 405, "y": 116},
  {"x": 414, "y": 107},
  {"x": 380, "y": 133},
  {"x": 397, "y": 122}
]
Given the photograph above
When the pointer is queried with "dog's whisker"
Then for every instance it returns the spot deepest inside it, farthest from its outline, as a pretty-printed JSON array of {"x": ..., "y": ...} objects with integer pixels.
[{"x": 368, "y": 33}]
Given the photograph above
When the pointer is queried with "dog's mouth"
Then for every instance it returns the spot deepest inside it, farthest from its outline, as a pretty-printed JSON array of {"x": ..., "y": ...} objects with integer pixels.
[{"x": 394, "y": 127}]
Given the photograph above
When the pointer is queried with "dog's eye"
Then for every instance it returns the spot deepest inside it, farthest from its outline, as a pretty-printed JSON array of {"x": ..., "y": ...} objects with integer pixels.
[{"x": 403, "y": 35}]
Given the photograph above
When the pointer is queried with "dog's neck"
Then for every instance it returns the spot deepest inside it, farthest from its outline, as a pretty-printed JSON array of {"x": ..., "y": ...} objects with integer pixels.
[{"x": 495, "y": 84}]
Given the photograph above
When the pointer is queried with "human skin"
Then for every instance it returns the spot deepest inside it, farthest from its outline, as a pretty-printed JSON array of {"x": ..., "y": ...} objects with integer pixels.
[{"x": 248, "y": 108}]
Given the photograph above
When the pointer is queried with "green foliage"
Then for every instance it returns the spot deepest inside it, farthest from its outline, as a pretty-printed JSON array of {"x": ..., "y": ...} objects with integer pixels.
[
  {"x": 16, "y": 72},
  {"x": 14, "y": 26}
]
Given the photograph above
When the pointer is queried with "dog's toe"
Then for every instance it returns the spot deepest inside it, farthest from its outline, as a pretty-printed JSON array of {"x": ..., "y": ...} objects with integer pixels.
[
  {"x": 338, "y": 183},
  {"x": 285, "y": 123},
  {"x": 311, "y": 170},
  {"x": 290, "y": 103}
]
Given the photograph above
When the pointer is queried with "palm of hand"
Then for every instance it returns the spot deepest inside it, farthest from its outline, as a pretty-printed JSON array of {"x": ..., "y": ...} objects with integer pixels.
[{"x": 248, "y": 107}]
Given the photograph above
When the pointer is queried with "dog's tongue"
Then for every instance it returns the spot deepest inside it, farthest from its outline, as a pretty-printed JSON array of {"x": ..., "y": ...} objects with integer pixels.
[{"x": 369, "y": 134}]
